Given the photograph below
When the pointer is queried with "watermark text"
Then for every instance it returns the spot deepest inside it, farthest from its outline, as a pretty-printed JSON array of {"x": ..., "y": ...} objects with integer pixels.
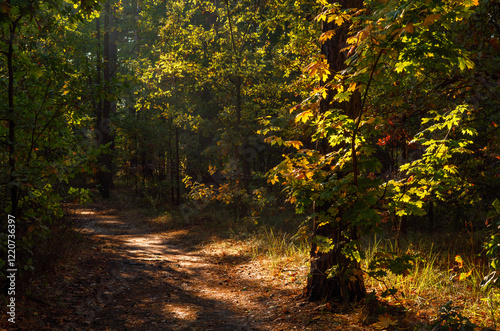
[{"x": 11, "y": 268}]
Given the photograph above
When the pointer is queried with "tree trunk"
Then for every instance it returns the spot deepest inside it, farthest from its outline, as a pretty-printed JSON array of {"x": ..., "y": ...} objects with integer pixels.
[
  {"x": 347, "y": 283},
  {"x": 104, "y": 176},
  {"x": 333, "y": 275},
  {"x": 171, "y": 161},
  {"x": 177, "y": 168},
  {"x": 161, "y": 166}
]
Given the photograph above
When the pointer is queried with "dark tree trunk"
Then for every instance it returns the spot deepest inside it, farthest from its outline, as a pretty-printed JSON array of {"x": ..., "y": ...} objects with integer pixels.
[
  {"x": 345, "y": 282},
  {"x": 177, "y": 168},
  {"x": 171, "y": 161},
  {"x": 161, "y": 166},
  {"x": 105, "y": 175}
]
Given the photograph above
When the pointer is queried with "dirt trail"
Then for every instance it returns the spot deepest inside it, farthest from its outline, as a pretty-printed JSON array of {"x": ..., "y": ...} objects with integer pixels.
[
  {"x": 158, "y": 281},
  {"x": 137, "y": 276}
]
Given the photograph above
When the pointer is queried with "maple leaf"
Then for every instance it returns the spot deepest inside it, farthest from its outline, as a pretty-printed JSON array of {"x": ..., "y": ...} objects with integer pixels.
[
  {"x": 409, "y": 28},
  {"x": 385, "y": 322},
  {"x": 431, "y": 19},
  {"x": 339, "y": 20},
  {"x": 304, "y": 116},
  {"x": 326, "y": 36},
  {"x": 296, "y": 144}
]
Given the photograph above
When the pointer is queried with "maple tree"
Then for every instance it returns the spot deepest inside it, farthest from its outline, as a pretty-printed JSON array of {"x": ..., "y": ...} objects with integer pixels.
[{"x": 387, "y": 161}]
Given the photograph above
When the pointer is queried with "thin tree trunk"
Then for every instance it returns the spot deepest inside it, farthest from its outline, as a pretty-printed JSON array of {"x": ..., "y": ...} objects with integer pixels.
[
  {"x": 171, "y": 163},
  {"x": 161, "y": 166},
  {"x": 177, "y": 167}
]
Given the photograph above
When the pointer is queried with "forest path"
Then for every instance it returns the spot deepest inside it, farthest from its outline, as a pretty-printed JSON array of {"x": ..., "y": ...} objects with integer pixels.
[
  {"x": 163, "y": 280},
  {"x": 135, "y": 273}
]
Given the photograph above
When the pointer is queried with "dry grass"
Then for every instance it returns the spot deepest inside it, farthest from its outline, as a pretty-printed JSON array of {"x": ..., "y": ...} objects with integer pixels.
[{"x": 435, "y": 280}]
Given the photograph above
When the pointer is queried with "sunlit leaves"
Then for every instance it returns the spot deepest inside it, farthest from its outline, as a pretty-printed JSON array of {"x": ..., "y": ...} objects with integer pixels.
[
  {"x": 432, "y": 175},
  {"x": 304, "y": 116},
  {"x": 326, "y": 36},
  {"x": 422, "y": 33},
  {"x": 416, "y": 108},
  {"x": 323, "y": 244},
  {"x": 465, "y": 63},
  {"x": 319, "y": 69}
]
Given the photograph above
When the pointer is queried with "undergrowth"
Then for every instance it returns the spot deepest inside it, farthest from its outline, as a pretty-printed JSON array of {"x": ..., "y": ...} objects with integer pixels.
[
  {"x": 438, "y": 289},
  {"x": 444, "y": 283}
]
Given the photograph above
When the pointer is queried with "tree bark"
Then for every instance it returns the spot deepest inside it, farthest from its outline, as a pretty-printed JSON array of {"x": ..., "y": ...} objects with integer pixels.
[
  {"x": 333, "y": 275},
  {"x": 105, "y": 175},
  {"x": 177, "y": 168},
  {"x": 347, "y": 283},
  {"x": 171, "y": 162}
]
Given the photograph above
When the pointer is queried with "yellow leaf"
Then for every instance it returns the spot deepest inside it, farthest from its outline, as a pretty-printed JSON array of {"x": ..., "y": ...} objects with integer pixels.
[
  {"x": 321, "y": 17},
  {"x": 303, "y": 117},
  {"x": 271, "y": 140},
  {"x": 464, "y": 275},
  {"x": 459, "y": 260},
  {"x": 296, "y": 144},
  {"x": 385, "y": 322},
  {"x": 322, "y": 91},
  {"x": 319, "y": 68},
  {"x": 324, "y": 94},
  {"x": 65, "y": 91},
  {"x": 326, "y": 36},
  {"x": 339, "y": 20},
  {"x": 368, "y": 121},
  {"x": 352, "y": 87},
  {"x": 469, "y": 3}
]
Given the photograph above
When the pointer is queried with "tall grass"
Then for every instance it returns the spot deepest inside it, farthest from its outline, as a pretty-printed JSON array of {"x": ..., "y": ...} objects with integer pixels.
[
  {"x": 280, "y": 245},
  {"x": 434, "y": 279},
  {"x": 283, "y": 256}
]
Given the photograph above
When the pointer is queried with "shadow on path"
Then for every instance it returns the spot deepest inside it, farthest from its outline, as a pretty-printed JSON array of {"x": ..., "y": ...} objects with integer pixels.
[{"x": 157, "y": 281}]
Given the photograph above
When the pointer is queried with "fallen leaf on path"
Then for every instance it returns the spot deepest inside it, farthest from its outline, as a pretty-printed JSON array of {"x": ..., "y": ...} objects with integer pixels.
[{"x": 385, "y": 322}]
